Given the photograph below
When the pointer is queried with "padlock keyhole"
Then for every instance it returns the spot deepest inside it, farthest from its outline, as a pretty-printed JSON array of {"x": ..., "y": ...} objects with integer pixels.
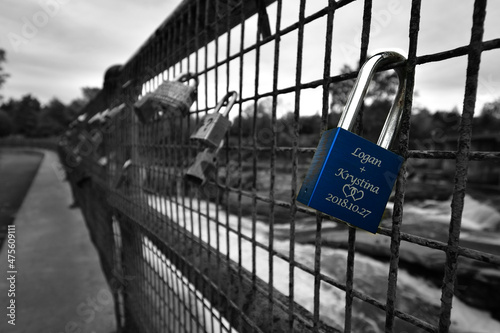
[{"x": 207, "y": 123}]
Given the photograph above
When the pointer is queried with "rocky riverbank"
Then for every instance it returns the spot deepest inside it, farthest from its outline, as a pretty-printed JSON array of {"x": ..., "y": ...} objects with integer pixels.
[{"x": 477, "y": 283}]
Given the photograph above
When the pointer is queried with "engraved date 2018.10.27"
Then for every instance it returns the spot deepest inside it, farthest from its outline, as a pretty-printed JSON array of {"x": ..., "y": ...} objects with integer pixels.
[{"x": 344, "y": 203}]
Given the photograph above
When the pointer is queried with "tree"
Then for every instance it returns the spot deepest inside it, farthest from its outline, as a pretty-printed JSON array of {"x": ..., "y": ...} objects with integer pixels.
[
  {"x": 76, "y": 105},
  {"x": 6, "y": 124},
  {"x": 3, "y": 76},
  {"x": 383, "y": 86},
  {"x": 24, "y": 113},
  {"x": 89, "y": 93},
  {"x": 378, "y": 100},
  {"x": 53, "y": 119},
  {"x": 244, "y": 125},
  {"x": 489, "y": 120},
  {"x": 58, "y": 111},
  {"x": 421, "y": 122},
  {"x": 310, "y": 124}
]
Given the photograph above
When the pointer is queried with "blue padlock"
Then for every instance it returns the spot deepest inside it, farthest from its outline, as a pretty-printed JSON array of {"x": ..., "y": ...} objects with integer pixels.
[{"x": 351, "y": 178}]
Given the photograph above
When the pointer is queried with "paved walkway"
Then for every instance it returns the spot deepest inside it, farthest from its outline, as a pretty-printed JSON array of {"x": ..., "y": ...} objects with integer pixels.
[
  {"x": 59, "y": 285},
  {"x": 18, "y": 168}
]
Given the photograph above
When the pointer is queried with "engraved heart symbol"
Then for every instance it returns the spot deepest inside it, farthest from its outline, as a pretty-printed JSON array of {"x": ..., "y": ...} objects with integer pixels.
[
  {"x": 351, "y": 191},
  {"x": 348, "y": 190}
]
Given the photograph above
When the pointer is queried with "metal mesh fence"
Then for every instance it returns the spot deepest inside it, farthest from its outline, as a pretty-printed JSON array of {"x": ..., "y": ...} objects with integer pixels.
[{"x": 239, "y": 253}]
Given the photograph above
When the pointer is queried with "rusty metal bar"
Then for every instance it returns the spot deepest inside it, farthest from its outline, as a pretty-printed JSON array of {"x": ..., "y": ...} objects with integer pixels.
[
  {"x": 462, "y": 162},
  {"x": 397, "y": 217}
]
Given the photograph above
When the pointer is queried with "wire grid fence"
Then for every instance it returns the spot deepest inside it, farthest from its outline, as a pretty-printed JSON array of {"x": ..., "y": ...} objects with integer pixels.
[{"x": 229, "y": 255}]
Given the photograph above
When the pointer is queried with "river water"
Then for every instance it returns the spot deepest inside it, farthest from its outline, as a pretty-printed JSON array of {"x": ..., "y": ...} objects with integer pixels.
[{"x": 415, "y": 294}]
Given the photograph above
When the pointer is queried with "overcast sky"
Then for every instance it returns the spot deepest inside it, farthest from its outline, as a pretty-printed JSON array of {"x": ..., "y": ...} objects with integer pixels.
[{"x": 55, "y": 47}]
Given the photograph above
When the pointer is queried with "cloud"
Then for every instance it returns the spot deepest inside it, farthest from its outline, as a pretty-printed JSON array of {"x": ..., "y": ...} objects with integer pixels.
[
  {"x": 55, "y": 47},
  {"x": 81, "y": 39}
]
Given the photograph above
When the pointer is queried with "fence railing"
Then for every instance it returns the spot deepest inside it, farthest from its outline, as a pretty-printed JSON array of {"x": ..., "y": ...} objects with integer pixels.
[{"x": 239, "y": 253}]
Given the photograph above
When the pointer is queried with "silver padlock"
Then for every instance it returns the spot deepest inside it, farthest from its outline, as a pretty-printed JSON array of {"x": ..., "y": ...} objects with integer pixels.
[
  {"x": 81, "y": 118},
  {"x": 215, "y": 125},
  {"x": 98, "y": 117},
  {"x": 170, "y": 98},
  {"x": 111, "y": 113},
  {"x": 123, "y": 177},
  {"x": 203, "y": 167}
]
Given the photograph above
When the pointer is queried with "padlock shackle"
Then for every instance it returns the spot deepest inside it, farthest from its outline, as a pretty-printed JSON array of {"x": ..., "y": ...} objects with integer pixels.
[
  {"x": 186, "y": 77},
  {"x": 111, "y": 113},
  {"x": 228, "y": 101},
  {"x": 358, "y": 92},
  {"x": 97, "y": 117},
  {"x": 126, "y": 165},
  {"x": 81, "y": 118},
  {"x": 122, "y": 176},
  {"x": 219, "y": 147}
]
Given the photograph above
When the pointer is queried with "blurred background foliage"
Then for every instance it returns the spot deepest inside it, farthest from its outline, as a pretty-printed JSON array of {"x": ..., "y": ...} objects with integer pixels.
[{"x": 27, "y": 116}]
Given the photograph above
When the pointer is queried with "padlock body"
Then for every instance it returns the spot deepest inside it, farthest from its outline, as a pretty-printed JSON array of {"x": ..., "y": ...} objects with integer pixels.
[
  {"x": 203, "y": 167},
  {"x": 212, "y": 130},
  {"x": 350, "y": 178},
  {"x": 170, "y": 98}
]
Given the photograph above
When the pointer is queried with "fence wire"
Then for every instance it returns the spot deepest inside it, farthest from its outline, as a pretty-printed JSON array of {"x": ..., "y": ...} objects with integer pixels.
[{"x": 239, "y": 254}]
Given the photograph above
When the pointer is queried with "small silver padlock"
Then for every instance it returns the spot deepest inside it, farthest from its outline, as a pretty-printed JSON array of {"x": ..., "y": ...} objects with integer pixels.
[
  {"x": 81, "y": 118},
  {"x": 203, "y": 167},
  {"x": 111, "y": 113},
  {"x": 171, "y": 98},
  {"x": 215, "y": 125},
  {"x": 103, "y": 161},
  {"x": 78, "y": 121},
  {"x": 123, "y": 177},
  {"x": 98, "y": 117}
]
